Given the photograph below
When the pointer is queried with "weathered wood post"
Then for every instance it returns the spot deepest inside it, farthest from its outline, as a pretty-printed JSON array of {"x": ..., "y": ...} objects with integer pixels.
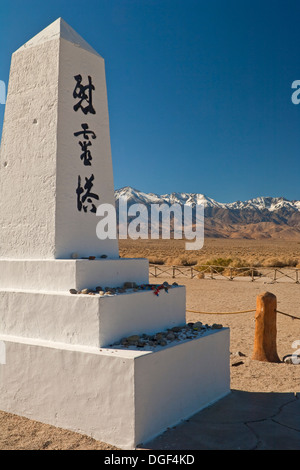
[{"x": 265, "y": 328}]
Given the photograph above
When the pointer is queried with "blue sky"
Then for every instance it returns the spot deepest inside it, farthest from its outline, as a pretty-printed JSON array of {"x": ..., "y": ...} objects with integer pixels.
[{"x": 199, "y": 92}]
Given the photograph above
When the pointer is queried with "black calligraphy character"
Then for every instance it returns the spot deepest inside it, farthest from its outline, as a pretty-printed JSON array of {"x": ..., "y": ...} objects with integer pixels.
[
  {"x": 86, "y": 156},
  {"x": 87, "y": 197},
  {"x": 85, "y": 132},
  {"x": 84, "y": 93}
]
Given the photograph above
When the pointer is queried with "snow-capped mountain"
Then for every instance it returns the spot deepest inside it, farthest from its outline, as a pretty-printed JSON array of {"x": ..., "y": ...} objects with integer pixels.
[
  {"x": 261, "y": 217},
  {"x": 271, "y": 204},
  {"x": 135, "y": 196}
]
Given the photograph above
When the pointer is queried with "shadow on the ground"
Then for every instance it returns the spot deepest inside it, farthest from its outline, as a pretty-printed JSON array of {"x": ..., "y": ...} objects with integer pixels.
[{"x": 241, "y": 420}]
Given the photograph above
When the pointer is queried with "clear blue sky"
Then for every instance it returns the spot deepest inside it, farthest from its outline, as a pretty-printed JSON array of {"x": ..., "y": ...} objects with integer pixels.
[{"x": 199, "y": 92}]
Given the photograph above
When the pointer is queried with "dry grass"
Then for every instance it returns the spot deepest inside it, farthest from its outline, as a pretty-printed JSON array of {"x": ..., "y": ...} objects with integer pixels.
[{"x": 241, "y": 253}]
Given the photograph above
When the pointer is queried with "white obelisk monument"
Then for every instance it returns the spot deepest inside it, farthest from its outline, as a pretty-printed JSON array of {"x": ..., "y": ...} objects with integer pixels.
[
  {"x": 57, "y": 339},
  {"x": 55, "y": 149}
]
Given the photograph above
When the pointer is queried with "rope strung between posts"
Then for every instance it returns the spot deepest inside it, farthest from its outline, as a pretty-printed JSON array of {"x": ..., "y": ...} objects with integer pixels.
[
  {"x": 288, "y": 315},
  {"x": 241, "y": 311},
  {"x": 156, "y": 288},
  {"x": 221, "y": 313}
]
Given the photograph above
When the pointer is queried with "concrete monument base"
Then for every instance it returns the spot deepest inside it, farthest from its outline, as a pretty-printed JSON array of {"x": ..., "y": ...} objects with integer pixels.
[
  {"x": 120, "y": 396},
  {"x": 60, "y": 275},
  {"x": 92, "y": 321}
]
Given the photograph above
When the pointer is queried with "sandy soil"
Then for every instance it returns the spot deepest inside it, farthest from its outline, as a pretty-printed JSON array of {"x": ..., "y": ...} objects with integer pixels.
[
  {"x": 219, "y": 296},
  {"x": 204, "y": 295}
]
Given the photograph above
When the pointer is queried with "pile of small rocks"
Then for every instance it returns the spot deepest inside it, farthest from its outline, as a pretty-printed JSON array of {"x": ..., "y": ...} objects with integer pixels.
[
  {"x": 127, "y": 286},
  {"x": 163, "y": 338},
  {"x": 160, "y": 339}
]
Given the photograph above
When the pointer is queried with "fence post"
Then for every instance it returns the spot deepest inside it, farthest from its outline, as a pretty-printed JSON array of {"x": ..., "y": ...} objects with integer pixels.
[
  {"x": 265, "y": 328},
  {"x": 211, "y": 273},
  {"x": 173, "y": 276}
]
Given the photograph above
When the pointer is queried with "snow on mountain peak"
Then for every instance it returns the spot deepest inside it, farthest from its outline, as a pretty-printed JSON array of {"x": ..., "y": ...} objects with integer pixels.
[{"x": 259, "y": 203}]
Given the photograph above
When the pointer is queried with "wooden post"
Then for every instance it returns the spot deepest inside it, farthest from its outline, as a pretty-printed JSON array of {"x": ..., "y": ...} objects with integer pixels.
[{"x": 265, "y": 328}]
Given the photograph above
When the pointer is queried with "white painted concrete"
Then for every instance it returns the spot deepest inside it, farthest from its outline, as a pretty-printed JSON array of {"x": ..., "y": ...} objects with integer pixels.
[
  {"x": 58, "y": 29},
  {"x": 124, "y": 398},
  {"x": 76, "y": 231},
  {"x": 176, "y": 382},
  {"x": 81, "y": 390},
  {"x": 140, "y": 312},
  {"x": 89, "y": 320},
  {"x": 41, "y": 159},
  {"x": 28, "y": 155},
  {"x": 62, "y": 275}
]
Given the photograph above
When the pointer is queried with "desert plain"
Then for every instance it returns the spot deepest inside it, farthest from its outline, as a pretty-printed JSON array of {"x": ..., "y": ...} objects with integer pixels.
[{"x": 217, "y": 295}]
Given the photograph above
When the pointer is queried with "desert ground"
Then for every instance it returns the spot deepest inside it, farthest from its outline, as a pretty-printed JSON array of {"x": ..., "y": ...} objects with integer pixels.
[
  {"x": 205, "y": 295},
  {"x": 258, "y": 253}
]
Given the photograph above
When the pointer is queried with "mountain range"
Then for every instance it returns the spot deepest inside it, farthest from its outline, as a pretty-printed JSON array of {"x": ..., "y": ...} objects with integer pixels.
[{"x": 258, "y": 218}]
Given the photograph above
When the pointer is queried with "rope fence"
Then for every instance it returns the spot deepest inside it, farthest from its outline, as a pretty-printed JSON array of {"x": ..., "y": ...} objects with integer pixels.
[
  {"x": 230, "y": 273},
  {"x": 221, "y": 313},
  {"x": 265, "y": 347},
  {"x": 240, "y": 311},
  {"x": 288, "y": 315}
]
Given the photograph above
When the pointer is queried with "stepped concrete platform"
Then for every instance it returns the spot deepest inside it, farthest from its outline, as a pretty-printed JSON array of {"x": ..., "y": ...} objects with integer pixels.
[
  {"x": 89, "y": 320},
  {"x": 60, "y": 275},
  {"x": 120, "y": 396}
]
